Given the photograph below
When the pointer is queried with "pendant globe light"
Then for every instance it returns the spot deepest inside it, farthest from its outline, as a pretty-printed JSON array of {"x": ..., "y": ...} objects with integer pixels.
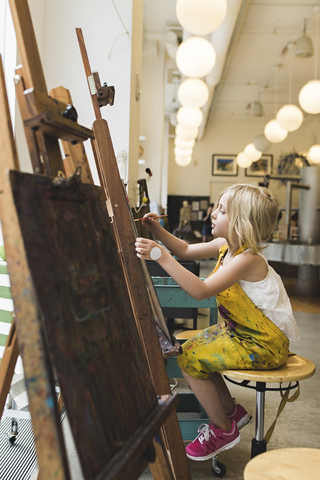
[
  {"x": 201, "y": 17},
  {"x": 182, "y": 161},
  {"x": 183, "y": 144},
  {"x": 193, "y": 93},
  {"x": 189, "y": 117},
  {"x": 314, "y": 154},
  {"x": 195, "y": 57},
  {"x": 309, "y": 96},
  {"x": 290, "y": 117},
  {"x": 252, "y": 153},
  {"x": 261, "y": 143},
  {"x": 186, "y": 133},
  {"x": 182, "y": 153},
  {"x": 272, "y": 131},
  {"x": 243, "y": 161}
]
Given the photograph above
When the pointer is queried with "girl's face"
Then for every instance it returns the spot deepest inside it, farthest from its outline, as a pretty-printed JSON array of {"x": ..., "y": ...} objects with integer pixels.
[{"x": 219, "y": 219}]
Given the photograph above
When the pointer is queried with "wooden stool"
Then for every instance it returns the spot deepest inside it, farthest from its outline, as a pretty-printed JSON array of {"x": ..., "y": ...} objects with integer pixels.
[
  {"x": 294, "y": 370},
  {"x": 285, "y": 464}
]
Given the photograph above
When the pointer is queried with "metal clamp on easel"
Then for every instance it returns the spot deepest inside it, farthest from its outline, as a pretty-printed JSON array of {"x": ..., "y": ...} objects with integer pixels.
[{"x": 105, "y": 94}]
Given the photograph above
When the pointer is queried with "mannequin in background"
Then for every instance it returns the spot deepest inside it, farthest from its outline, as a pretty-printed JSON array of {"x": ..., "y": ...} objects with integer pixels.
[{"x": 184, "y": 219}]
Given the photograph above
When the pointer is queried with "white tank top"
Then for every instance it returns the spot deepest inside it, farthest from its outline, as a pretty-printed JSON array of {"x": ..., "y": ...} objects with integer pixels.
[{"x": 270, "y": 296}]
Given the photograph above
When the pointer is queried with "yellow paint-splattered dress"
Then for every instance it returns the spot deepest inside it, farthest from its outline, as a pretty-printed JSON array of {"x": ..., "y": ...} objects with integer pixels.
[{"x": 247, "y": 339}]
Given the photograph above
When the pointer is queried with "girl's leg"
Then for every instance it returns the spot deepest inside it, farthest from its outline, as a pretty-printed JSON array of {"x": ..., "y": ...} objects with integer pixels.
[
  {"x": 208, "y": 394},
  {"x": 225, "y": 394}
]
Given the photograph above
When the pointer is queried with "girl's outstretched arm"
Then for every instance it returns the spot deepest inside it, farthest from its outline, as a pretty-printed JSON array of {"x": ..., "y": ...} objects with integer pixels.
[
  {"x": 178, "y": 247},
  {"x": 224, "y": 278}
]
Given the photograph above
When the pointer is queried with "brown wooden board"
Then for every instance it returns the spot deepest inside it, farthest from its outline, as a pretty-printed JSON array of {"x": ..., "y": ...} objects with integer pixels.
[
  {"x": 86, "y": 314},
  {"x": 141, "y": 290}
]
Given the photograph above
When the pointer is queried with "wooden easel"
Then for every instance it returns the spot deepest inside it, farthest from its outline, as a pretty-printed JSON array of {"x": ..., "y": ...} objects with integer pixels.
[
  {"x": 111, "y": 403},
  {"x": 46, "y": 125},
  {"x": 143, "y": 297},
  {"x": 26, "y": 291}
]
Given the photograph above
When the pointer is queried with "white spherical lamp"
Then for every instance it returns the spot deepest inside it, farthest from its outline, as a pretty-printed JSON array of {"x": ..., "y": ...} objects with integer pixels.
[
  {"x": 182, "y": 153},
  {"x": 252, "y": 153},
  {"x": 193, "y": 93},
  {"x": 290, "y": 117},
  {"x": 182, "y": 161},
  {"x": 309, "y": 97},
  {"x": 186, "y": 133},
  {"x": 243, "y": 161},
  {"x": 274, "y": 133},
  {"x": 195, "y": 57},
  {"x": 261, "y": 143},
  {"x": 201, "y": 17},
  {"x": 189, "y": 117},
  {"x": 314, "y": 154},
  {"x": 183, "y": 144}
]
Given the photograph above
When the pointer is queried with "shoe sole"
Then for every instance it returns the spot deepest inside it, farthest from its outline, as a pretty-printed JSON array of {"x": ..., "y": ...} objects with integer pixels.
[
  {"x": 214, "y": 454},
  {"x": 244, "y": 421}
]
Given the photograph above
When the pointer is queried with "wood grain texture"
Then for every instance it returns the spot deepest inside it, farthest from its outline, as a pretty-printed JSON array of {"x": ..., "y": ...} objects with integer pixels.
[
  {"x": 47, "y": 428},
  {"x": 75, "y": 154},
  {"x": 106, "y": 164},
  {"x": 87, "y": 315},
  {"x": 284, "y": 464}
]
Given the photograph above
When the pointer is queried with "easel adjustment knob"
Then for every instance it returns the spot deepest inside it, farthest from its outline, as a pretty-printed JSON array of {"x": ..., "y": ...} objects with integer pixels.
[{"x": 70, "y": 113}]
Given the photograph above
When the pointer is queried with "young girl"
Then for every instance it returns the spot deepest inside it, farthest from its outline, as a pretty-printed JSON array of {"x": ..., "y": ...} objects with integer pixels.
[{"x": 258, "y": 320}]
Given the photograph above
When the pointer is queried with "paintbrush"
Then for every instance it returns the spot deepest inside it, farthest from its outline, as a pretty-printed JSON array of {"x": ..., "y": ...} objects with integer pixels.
[{"x": 159, "y": 216}]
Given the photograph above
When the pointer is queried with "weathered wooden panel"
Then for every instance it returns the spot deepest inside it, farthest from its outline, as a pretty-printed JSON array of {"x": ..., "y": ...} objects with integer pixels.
[{"x": 86, "y": 313}]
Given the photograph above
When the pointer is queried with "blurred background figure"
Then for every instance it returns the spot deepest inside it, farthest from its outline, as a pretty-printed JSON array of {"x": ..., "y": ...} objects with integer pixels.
[{"x": 206, "y": 229}]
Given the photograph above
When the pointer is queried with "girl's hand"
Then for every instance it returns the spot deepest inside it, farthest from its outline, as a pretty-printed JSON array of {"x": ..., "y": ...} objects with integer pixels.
[
  {"x": 148, "y": 249},
  {"x": 150, "y": 221}
]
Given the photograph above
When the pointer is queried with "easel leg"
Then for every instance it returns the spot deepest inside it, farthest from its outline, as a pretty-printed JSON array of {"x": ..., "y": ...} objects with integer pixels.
[
  {"x": 160, "y": 469},
  {"x": 7, "y": 365}
]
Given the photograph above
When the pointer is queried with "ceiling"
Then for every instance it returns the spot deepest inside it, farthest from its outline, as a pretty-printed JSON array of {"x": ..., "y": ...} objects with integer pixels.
[{"x": 254, "y": 63}]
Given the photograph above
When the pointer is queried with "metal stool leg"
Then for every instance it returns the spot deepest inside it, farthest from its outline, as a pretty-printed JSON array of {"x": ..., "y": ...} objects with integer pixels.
[{"x": 259, "y": 445}]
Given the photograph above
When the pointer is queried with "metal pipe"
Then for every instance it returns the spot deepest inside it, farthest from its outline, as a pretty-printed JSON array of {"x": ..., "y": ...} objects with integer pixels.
[
  {"x": 260, "y": 402},
  {"x": 290, "y": 187}
]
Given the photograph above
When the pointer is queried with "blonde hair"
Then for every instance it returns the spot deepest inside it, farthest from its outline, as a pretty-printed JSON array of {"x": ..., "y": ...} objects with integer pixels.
[{"x": 252, "y": 213}]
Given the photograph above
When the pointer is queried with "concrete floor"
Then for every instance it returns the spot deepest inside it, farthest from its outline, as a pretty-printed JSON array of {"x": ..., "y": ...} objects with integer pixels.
[{"x": 298, "y": 425}]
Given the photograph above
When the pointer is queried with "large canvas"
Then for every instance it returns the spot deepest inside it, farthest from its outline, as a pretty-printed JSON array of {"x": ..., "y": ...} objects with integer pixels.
[{"x": 86, "y": 314}]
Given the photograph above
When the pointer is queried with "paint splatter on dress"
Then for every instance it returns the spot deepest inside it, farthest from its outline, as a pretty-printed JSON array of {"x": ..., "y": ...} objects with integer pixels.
[{"x": 246, "y": 339}]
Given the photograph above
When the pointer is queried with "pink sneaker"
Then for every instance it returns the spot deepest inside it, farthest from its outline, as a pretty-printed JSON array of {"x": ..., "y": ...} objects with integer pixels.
[
  {"x": 240, "y": 416},
  {"x": 211, "y": 441}
]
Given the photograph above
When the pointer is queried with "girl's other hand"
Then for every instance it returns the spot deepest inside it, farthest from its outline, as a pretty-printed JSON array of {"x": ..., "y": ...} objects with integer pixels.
[{"x": 144, "y": 246}]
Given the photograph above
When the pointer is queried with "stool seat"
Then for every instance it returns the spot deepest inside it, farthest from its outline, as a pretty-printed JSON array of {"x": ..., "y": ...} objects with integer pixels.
[
  {"x": 296, "y": 368},
  {"x": 284, "y": 464}
]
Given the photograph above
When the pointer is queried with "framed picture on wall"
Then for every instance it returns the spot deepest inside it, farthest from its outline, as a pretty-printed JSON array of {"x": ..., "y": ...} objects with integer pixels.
[
  {"x": 225, "y": 165},
  {"x": 261, "y": 167}
]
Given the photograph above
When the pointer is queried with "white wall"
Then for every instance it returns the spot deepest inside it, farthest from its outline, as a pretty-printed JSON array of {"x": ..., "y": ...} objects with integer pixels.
[
  {"x": 109, "y": 50},
  {"x": 230, "y": 137},
  {"x": 152, "y": 116}
]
